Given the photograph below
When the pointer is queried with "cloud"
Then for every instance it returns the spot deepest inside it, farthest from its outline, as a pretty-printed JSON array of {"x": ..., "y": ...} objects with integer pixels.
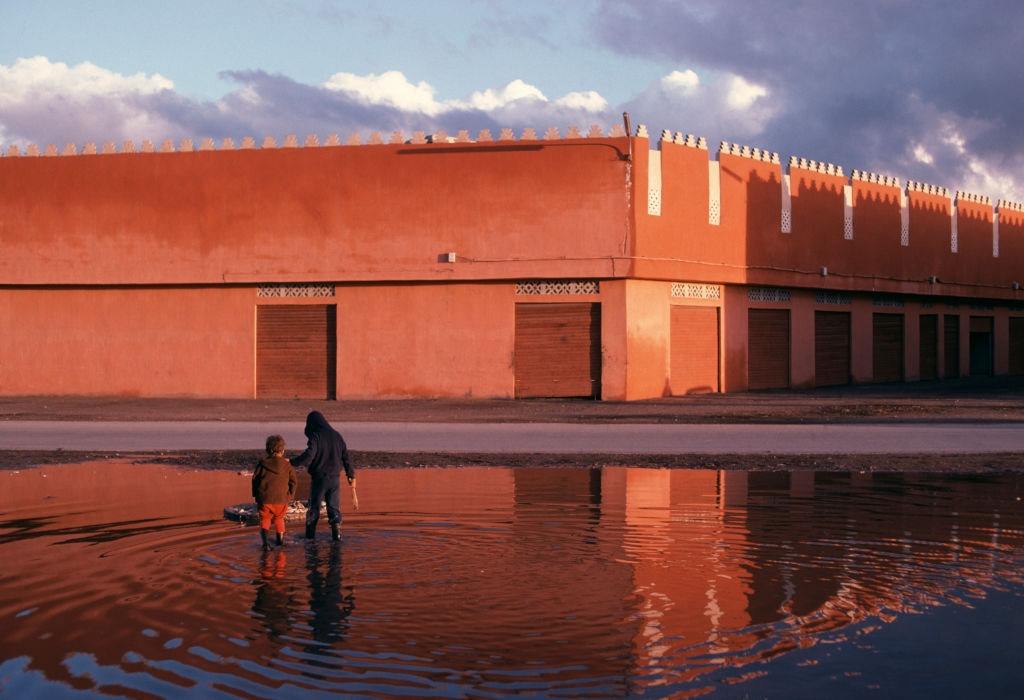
[
  {"x": 390, "y": 88},
  {"x": 861, "y": 88}
]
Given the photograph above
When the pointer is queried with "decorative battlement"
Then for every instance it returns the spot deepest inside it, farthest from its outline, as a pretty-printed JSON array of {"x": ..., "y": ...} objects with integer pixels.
[
  {"x": 962, "y": 196},
  {"x": 313, "y": 141},
  {"x": 691, "y": 140},
  {"x": 923, "y": 187},
  {"x": 875, "y": 178},
  {"x": 1006, "y": 205},
  {"x": 736, "y": 149},
  {"x": 815, "y": 166}
]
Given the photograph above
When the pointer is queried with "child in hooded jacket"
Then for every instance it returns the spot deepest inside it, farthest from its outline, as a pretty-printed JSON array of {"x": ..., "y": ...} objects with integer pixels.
[{"x": 273, "y": 487}]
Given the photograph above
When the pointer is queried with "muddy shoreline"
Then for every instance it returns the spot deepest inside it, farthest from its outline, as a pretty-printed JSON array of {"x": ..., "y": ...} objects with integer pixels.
[{"x": 996, "y": 462}]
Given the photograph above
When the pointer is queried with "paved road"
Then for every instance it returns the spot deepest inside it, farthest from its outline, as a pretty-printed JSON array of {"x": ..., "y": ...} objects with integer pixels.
[{"x": 561, "y": 438}]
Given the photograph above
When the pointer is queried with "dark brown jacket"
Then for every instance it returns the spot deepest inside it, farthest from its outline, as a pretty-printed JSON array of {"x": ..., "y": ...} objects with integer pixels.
[{"x": 274, "y": 481}]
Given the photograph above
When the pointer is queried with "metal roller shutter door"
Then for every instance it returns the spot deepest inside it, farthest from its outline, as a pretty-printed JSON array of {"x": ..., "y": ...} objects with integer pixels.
[
  {"x": 831, "y": 348},
  {"x": 694, "y": 353},
  {"x": 928, "y": 350},
  {"x": 558, "y": 350},
  {"x": 767, "y": 348},
  {"x": 295, "y": 351},
  {"x": 887, "y": 347},
  {"x": 1017, "y": 346},
  {"x": 951, "y": 346}
]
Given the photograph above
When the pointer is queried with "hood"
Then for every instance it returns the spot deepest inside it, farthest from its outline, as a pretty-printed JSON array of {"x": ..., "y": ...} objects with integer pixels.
[{"x": 316, "y": 423}]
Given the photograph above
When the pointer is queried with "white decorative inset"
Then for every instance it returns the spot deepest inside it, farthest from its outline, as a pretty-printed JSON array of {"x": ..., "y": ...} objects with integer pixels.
[
  {"x": 995, "y": 234},
  {"x": 954, "y": 238},
  {"x": 904, "y": 219},
  {"x": 560, "y": 287},
  {"x": 833, "y": 298},
  {"x": 690, "y": 290},
  {"x": 654, "y": 183},
  {"x": 787, "y": 204},
  {"x": 295, "y": 290},
  {"x": 848, "y": 212},
  {"x": 768, "y": 294},
  {"x": 714, "y": 193}
]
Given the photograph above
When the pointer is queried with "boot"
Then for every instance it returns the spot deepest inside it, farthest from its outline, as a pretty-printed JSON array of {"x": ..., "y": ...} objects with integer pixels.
[
  {"x": 280, "y": 539},
  {"x": 310, "y": 531},
  {"x": 263, "y": 537},
  {"x": 336, "y": 532}
]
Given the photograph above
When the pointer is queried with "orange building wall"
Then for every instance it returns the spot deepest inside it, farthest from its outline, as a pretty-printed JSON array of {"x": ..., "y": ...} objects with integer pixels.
[
  {"x": 180, "y": 341},
  {"x": 453, "y": 340}
]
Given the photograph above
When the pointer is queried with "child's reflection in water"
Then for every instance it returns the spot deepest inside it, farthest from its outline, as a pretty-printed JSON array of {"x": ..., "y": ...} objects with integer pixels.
[{"x": 276, "y": 600}]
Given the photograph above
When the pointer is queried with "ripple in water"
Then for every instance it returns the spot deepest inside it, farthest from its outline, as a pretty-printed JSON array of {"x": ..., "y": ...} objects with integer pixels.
[{"x": 123, "y": 580}]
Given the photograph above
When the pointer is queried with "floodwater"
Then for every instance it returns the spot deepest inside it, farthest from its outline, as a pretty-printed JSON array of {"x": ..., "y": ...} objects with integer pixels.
[{"x": 125, "y": 580}]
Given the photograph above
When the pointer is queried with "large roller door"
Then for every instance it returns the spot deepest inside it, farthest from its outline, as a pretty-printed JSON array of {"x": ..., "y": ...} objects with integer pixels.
[
  {"x": 887, "y": 347},
  {"x": 767, "y": 348},
  {"x": 1017, "y": 346},
  {"x": 694, "y": 358},
  {"x": 831, "y": 348},
  {"x": 951, "y": 345},
  {"x": 982, "y": 346},
  {"x": 928, "y": 349},
  {"x": 558, "y": 350},
  {"x": 295, "y": 351}
]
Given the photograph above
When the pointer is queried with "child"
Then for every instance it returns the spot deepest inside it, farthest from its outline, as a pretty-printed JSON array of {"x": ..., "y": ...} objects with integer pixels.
[{"x": 273, "y": 487}]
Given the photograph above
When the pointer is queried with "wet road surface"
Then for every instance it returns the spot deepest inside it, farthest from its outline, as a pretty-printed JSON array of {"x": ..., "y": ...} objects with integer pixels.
[{"x": 554, "y": 438}]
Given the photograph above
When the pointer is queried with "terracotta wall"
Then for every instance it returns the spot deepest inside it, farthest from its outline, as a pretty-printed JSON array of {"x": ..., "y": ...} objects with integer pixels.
[
  {"x": 452, "y": 340},
  {"x": 381, "y": 212},
  {"x": 180, "y": 341}
]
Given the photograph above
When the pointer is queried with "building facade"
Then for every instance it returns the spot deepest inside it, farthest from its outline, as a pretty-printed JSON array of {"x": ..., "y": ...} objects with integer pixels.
[{"x": 595, "y": 265}]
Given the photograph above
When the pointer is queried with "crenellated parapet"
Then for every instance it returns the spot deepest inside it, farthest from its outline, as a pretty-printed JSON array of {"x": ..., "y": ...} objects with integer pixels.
[
  {"x": 815, "y": 166},
  {"x": 736, "y": 149},
  {"x": 875, "y": 178},
  {"x": 962, "y": 196},
  {"x": 1007, "y": 205},
  {"x": 925, "y": 188}
]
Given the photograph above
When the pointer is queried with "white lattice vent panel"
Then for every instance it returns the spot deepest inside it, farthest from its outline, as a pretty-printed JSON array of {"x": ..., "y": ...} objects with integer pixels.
[
  {"x": 295, "y": 290},
  {"x": 893, "y": 302},
  {"x": 904, "y": 219},
  {"x": 558, "y": 287},
  {"x": 654, "y": 183},
  {"x": 768, "y": 294},
  {"x": 995, "y": 235},
  {"x": 954, "y": 237},
  {"x": 833, "y": 298},
  {"x": 686, "y": 290},
  {"x": 848, "y": 212},
  {"x": 714, "y": 193},
  {"x": 787, "y": 205}
]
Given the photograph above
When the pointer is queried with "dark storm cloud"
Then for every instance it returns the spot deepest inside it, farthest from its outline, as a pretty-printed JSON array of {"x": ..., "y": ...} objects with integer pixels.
[{"x": 859, "y": 83}]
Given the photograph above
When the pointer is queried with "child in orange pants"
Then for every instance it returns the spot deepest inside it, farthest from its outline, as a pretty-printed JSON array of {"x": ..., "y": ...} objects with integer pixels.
[{"x": 273, "y": 487}]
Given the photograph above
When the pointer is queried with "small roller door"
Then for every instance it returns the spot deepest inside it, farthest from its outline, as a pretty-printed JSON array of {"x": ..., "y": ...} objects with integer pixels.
[
  {"x": 831, "y": 348},
  {"x": 694, "y": 363},
  {"x": 558, "y": 350},
  {"x": 982, "y": 346},
  {"x": 887, "y": 350},
  {"x": 1017, "y": 346},
  {"x": 767, "y": 348},
  {"x": 951, "y": 346},
  {"x": 928, "y": 350},
  {"x": 295, "y": 351}
]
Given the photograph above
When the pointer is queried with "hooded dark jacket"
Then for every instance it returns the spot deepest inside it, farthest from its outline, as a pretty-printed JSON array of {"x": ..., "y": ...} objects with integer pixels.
[
  {"x": 274, "y": 481},
  {"x": 326, "y": 452}
]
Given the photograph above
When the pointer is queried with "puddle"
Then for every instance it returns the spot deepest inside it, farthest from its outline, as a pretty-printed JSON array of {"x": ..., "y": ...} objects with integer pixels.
[{"x": 124, "y": 579}]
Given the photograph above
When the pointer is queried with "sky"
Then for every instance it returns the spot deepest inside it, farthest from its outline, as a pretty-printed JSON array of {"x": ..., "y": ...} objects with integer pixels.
[{"x": 930, "y": 90}]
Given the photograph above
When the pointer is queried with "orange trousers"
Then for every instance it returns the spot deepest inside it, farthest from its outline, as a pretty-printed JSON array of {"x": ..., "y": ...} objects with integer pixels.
[{"x": 273, "y": 512}]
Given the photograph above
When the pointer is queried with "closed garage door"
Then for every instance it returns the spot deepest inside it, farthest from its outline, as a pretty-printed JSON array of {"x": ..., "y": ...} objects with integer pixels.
[
  {"x": 887, "y": 350},
  {"x": 295, "y": 351},
  {"x": 831, "y": 348},
  {"x": 928, "y": 350},
  {"x": 1017, "y": 346},
  {"x": 767, "y": 348},
  {"x": 694, "y": 349},
  {"x": 951, "y": 346},
  {"x": 982, "y": 346},
  {"x": 558, "y": 350}
]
